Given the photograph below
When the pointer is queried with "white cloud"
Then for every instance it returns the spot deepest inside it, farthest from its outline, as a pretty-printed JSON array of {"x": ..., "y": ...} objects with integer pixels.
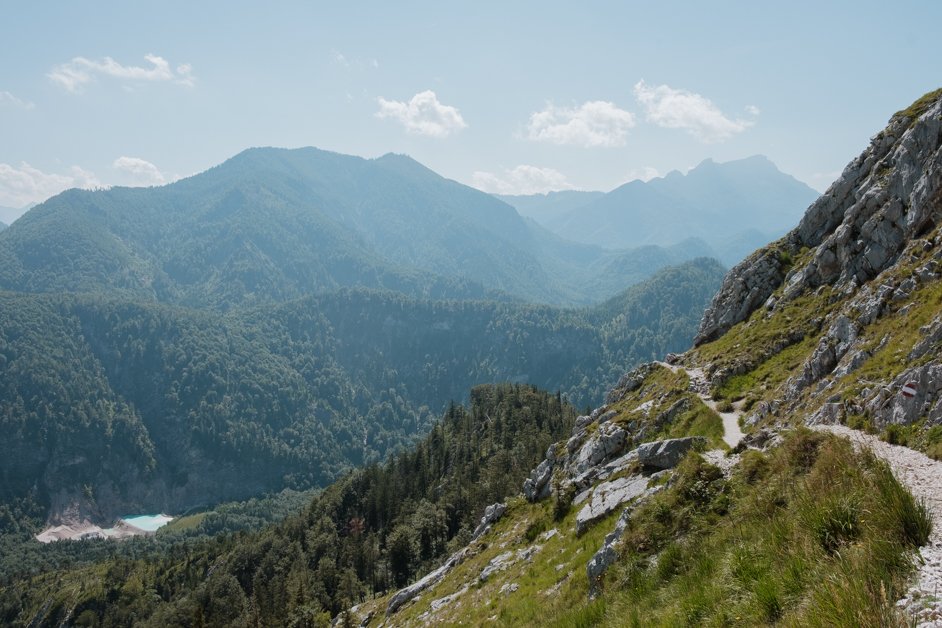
[
  {"x": 76, "y": 73},
  {"x": 141, "y": 171},
  {"x": 523, "y": 179},
  {"x": 8, "y": 99},
  {"x": 680, "y": 109},
  {"x": 643, "y": 174},
  {"x": 25, "y": 185},
  {"x": 423, "y": 114},
  {"x": 594, "y": 123}
]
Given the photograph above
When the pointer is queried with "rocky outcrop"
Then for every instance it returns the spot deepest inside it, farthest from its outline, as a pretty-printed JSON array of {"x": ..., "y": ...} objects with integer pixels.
[
  {"x": 608, "y": 496},
  {"x": 888, "y": 404},
  {"x": 491, "y": 515},
  {"x": 747, "y": 286},
  {"x": 537, "y": 486},
  {"x": 667, "y": 454},
  {"x": 629, "y": 382},
  {"x": 608, "y": 554},
  {"x": 501, "y": 562},
  {"x": 432, "y": 578},
  {"x": 831, "y": 348},
  {"x": 888, "y": 196},
  {"x": 931, "y": 336},
  {"x": 582, "y": 458}
]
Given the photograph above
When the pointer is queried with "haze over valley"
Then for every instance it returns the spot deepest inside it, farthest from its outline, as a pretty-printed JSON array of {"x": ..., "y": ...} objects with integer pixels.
[{"x": 409, "y": 315}]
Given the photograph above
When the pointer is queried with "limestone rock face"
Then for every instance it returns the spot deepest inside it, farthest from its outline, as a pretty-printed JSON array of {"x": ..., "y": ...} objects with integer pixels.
[
  {"x": 629, "y": 382},
  {"x": 491, "y": 515},
  {"x": 432, "y": 578},
  {"x": 666, "y": 454},
  {"x": 607, "y": 496},
  {"x": 888, "y": 405},
  {"x": 746, "y": 287},
  {"x": 832, "y": 347},
  {"x": 537, "y": 486},
  {"x": 888, "y": 196}
]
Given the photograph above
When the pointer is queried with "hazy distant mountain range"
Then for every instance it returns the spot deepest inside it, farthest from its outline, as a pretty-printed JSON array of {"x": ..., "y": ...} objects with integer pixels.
[
  {"x": 734, "y": 207},
  {"x": 271, "y": 225}
]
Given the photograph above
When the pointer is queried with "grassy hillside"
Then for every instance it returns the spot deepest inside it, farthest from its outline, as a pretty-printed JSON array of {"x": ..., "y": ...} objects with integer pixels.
[{"x": 807, "y": 534}]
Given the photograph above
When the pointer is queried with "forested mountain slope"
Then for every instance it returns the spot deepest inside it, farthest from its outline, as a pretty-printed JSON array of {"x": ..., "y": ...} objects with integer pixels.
[
  {"x": 271, "y": 225},
  {"x": 373, "y": 529},
  {"x": 109, "y": 406}
]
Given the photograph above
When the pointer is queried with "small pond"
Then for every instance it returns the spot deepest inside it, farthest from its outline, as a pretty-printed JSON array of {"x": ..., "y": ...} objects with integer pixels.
[{"x": 148, "y": 523}]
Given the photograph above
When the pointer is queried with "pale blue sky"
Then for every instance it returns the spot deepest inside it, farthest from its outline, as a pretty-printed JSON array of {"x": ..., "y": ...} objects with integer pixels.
[{"x": 524, "y": 95}]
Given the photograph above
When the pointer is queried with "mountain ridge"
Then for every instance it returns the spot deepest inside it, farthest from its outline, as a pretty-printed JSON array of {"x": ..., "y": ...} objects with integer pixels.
[
  {"x": 270, "y": 225},
  {"x": 712, "y": 202}
]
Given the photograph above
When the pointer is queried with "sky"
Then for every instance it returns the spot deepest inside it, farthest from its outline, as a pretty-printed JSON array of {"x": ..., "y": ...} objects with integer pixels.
[{"x": 510, "y": 97}]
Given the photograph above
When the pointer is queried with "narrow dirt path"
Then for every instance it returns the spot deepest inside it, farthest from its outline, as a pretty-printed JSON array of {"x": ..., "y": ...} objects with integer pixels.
[
  {"x": 732, "y": 433},
  {"x": 923, "y": 477}
]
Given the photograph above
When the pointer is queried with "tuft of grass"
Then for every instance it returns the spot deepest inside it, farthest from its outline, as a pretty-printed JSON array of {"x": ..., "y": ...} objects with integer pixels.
[
  {"x": 920, "y": 106},
  {"x": 834, "y": 522},
  {"x": 699, "y": 420},
  {"x": 535, "y": 529}
]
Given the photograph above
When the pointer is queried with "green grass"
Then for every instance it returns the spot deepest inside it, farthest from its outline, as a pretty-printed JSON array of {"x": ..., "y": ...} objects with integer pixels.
[
  {"x": 812, "y": 534},
  {"x": 759, "y": 340},
  {"x": 534, "y": 601},
  {"x": 809, "y": 534},
  {"x": 189, "y": 522},
  {"x": 920, "y": 106},
  {"x": 768, "y": 375},
  {"x": 699, "y": 421}
]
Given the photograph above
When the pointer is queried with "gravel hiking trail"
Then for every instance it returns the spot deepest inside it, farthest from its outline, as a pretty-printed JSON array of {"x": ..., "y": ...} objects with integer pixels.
[
  {"x": 922, "y": 604},
  {"x": 732, "y": 433},
  {"x": 922, "y": 475}
]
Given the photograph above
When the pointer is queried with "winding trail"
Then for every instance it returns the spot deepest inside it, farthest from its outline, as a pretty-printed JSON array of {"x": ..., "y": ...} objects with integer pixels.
[
  {"x": 732, "y": 433},
  {"x": 922, "y": 604},
  {"x": 923, "y": 477}
]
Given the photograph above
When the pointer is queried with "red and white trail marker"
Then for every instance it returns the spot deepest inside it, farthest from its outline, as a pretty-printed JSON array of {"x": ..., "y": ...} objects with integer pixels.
[{"x": 909, "y": 389}]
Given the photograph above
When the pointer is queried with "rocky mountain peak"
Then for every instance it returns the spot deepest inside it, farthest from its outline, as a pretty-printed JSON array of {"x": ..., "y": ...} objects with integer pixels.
[{"x": 886, "y": 197}]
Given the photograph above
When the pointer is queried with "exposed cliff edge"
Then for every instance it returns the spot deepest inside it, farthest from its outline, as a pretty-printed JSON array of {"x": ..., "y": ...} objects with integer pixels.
[{"x": 885, "y": 197}]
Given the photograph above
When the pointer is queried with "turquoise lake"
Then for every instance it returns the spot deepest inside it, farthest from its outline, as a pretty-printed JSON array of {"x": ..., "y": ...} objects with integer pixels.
[{"x": 149, "y": 523}]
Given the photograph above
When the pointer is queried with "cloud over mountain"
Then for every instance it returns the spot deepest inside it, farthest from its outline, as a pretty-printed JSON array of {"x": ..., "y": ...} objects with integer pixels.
[
  {"x": 593, "y": 123},
  {"x": 423, "y": 114},
  {"x": 681, "y": 109}
]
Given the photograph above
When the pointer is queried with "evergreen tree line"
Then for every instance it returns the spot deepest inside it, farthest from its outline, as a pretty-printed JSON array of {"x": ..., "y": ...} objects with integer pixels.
[
  {"x": 138, "y": 407},
  {"x": 374, "y": 530}
]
